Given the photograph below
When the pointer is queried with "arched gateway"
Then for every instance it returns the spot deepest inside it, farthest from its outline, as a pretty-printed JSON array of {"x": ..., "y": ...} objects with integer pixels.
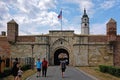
[{"x": 59, "y": 53}]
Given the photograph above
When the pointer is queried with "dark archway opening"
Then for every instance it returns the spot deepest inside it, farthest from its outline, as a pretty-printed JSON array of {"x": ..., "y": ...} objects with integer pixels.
[{"x": 57, "y": 58}]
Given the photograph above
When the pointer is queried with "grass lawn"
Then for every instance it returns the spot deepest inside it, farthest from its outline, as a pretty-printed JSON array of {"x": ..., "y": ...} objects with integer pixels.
[
  {"x": 99, "y": 75},
  {"x": 25, "y": 75}
]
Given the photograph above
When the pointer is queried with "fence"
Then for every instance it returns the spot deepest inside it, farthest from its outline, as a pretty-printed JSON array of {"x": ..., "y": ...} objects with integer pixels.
[{"x": 6, "y": 62}]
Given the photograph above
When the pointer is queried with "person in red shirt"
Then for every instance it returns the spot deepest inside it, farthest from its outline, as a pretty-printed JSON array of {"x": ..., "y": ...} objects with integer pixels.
[{"x": 44, "y": 67}]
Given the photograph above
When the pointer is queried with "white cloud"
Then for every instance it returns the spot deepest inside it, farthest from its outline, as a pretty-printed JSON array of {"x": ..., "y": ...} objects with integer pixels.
[
  {"x": 34, "y": 26},
  {"x": 30, "y": 15},
  {"x": 108, "y": 4},
  {"x": 36, "y": 16},
  {"x": 46, "y": 4},
  {"x": 98, "y": 28},
  {"x": 88, "y": 4},
  {"x": 76, "y": 28},
  {"x": 4, "y": 15}
]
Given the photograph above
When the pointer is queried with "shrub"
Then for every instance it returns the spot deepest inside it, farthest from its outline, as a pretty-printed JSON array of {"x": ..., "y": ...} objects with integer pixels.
[
  {"x": 110, "y": 69},
  {"x": 117, "y": 73},
  {"x": 6, "y": 72},
  {"x": 103, "y": 68},
  {"x": 26, "y": 67}
]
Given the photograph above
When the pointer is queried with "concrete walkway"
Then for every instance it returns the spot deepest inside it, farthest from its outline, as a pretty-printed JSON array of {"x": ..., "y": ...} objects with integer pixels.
[{"x": 54, "y": 73}]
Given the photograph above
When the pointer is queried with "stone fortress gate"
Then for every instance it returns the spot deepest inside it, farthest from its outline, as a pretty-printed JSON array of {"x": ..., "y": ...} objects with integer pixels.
[{"x": 79, "y": 49}]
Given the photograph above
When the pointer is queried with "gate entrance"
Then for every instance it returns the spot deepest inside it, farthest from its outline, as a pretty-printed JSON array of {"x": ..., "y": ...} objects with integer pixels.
[{"x": 59, "y": 53}]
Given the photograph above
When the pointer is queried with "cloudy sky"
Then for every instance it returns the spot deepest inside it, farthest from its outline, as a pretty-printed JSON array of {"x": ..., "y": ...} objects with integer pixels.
[{"x": 40, "y": 16}]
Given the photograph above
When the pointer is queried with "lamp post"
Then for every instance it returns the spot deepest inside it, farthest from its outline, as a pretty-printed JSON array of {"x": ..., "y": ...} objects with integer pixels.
[{"x": 32, "y": 65}]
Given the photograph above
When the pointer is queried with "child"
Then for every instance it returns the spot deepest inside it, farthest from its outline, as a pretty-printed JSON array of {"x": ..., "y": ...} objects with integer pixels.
[{"x": 20, "y": 73}]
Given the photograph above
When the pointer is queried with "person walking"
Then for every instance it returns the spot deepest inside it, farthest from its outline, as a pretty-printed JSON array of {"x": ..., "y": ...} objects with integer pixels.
[
  {"x": 20, "y": 73},
  {"x": 44, "y": 67},
  {"x": 15, "y": 68},
  {"x": 63, "y": 66},
  {"x": 38, "y": 66}
]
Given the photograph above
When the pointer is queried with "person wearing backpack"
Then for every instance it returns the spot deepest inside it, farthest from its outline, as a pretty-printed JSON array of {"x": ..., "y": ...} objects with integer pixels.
[
  {"x": 63, "y": 66},
  {"x": 44, "y": 67}
]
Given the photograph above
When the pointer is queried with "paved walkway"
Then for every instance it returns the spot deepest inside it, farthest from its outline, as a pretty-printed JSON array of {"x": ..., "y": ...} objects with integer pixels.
[{"x": 54, "y": 73}]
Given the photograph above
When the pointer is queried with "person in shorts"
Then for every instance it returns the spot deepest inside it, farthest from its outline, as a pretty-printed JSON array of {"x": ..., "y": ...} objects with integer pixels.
[
  {"x": 63, "y": 66},
  {"x": 38, "y": 66}
]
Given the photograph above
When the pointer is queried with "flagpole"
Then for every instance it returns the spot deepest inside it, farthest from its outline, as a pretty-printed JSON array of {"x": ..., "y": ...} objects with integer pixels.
[
  {"x": 61, "y": 22},
  {"x": 60, "y": 18}
]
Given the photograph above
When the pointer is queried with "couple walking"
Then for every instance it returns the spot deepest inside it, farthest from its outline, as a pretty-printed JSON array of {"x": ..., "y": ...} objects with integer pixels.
[{"x": 41, "y": 66}]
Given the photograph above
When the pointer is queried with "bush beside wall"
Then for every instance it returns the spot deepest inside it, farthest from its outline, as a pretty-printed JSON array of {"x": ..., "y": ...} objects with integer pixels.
[
  {"x": 110, "y": 69},
  {"x": 7, "y": 71}
]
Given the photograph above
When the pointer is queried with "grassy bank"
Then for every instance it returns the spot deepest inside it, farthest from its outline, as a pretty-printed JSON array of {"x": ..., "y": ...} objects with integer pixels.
[
  {"x": 99, "y": 75},
  {"x": 25, "y": 75}
]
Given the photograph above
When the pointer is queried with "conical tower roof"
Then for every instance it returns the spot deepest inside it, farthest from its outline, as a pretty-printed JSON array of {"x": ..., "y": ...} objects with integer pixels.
[
  {"x": 85, "y": 14},
  {"x": 12, "y": 21},
  {"x": 112, "y": 20}
]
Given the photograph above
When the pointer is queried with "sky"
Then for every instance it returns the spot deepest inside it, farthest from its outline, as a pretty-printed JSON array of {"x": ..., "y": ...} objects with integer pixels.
[{"x": 37, "y": 17}]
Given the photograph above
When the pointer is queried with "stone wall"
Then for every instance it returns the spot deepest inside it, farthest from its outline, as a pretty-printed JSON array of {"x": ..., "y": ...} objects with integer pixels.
[
  {"x": 81, "y": 55},
  {"x": 117, "y": 54},
  {"x": 25, "y": 50},
  {"x": 92, "y": 51},
  {"x": 26, "y": 39},
  {"x": 83, "y": 50},
  {"x": 4, "y": 47},
  {"x": 97, "y": 38},
  {"x": 98, "y": 54}
]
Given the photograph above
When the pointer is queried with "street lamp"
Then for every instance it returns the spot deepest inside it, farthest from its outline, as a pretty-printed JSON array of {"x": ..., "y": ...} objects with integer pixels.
[{"x": 32, "y": 65}]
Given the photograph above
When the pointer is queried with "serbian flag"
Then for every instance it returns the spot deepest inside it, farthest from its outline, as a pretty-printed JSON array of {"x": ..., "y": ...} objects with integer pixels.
[{"x": 60, "y": 15}]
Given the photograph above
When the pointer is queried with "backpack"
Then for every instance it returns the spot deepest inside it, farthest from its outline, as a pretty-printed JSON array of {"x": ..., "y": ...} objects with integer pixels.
[{"x": 63, "y": 64}]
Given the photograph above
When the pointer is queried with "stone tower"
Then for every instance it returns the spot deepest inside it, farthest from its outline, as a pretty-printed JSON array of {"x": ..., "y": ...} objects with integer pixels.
[
  {"x": 12, "y": 31},
  {"x": 111, "y": 30},
  {"x": 113, "y": 43},
  {"x": 85, "y": 23}
]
